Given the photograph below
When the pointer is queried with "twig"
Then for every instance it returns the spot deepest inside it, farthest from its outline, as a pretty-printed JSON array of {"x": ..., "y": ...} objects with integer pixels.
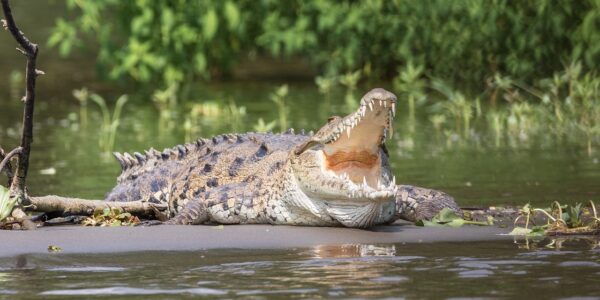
[
  {"x": 8, "y": 168},
  {"x": 31, "y": 51},
  {"x": 5, "y": 163}
]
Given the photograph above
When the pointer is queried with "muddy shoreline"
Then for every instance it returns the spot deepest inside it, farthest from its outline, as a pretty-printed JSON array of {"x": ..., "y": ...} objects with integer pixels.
[{"x": 79, "y": 239}]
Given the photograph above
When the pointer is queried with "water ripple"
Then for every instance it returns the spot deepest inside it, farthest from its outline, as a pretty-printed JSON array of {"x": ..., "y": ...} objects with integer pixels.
[
  {"x": 87, "y": 269},
  {"x": 132, "y": 291}
]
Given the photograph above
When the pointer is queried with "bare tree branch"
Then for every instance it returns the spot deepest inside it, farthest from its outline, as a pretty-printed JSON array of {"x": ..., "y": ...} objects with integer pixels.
[
  {"x": 8, "y": 168},
  {"x": 31, "y": 50},
  {"x": 5, "y": 162}
]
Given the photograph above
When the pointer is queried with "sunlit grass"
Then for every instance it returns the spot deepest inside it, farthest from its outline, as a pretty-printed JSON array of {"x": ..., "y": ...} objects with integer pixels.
[{"x": 110, "y": 122}]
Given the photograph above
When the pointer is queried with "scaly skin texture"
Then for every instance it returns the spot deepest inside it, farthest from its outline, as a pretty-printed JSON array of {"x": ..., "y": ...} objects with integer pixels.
[{"x": 286, "y": 178}]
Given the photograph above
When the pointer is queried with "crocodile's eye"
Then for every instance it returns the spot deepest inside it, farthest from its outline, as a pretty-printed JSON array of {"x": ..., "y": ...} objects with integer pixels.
[{"x": 333, "y": 118}]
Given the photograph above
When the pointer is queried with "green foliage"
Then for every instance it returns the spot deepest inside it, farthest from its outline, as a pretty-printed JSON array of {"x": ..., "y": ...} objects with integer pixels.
[
  {"x": 447, "y": 217},
  {"x": 261, "y": 126},
  {"x": 176, "y": 41},
  {"x": 213, "y": 113},
  {"x": 7, "y": 203},
  {"x": 411, "y": 85},
  {"x": 110, "y": 122},
  {"x": 278, "y": 97},
  {"x": 565, "y": 106},
  {"x": 82, "y": 96},
  {"x": 561, "y": 220}
]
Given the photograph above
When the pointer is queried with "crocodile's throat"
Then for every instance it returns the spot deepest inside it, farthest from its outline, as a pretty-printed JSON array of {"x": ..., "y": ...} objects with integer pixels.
[{"x": 356, "y": 152}]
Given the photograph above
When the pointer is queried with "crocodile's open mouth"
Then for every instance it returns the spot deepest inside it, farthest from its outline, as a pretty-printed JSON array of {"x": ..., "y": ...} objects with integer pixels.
[
  {"x": 354, "y": 150},
  {"x": 350, "y": 154}
]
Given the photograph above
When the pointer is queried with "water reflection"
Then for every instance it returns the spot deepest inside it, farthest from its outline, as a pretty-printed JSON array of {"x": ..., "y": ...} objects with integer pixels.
[
  {"x": 353, "y": 250},
  {"x": 559, "y": 243}
]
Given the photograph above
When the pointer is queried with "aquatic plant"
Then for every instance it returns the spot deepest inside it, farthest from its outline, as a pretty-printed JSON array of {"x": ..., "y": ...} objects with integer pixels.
[
  {"x": 279, "y": 98},
  {"x": 213, "y": 113},
  {"x": 350, "y": 81},
  {"x": 456, "y": 106},
  {"x": 82, "y": 96},
  {"x": 411, "y": 85},
  {"x": 166, "y": 103},
  {"x": 561, "y": 220},
  {"x": 261, "y": 126},
  {"x": 326, "y": 84},
  {"x": 110, "y": 122}
]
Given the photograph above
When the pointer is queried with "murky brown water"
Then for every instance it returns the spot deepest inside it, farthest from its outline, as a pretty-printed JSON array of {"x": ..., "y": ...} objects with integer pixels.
[{"x": 440, "y": 271}]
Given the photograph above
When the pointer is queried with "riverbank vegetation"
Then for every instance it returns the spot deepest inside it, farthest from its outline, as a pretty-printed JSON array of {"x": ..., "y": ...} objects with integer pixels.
[{"x": 512, "y": 74}]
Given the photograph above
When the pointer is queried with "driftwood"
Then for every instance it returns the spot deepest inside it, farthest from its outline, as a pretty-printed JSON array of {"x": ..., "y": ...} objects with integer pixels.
[
  {"x": 17, "y": 178},
  {"x": 75, "y": 206}
]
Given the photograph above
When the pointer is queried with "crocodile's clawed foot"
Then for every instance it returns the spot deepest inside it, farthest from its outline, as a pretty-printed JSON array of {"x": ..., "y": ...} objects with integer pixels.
[{"x": 416, "y": 203}]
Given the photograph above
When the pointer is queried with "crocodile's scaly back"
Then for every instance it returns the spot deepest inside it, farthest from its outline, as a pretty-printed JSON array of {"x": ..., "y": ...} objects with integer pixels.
[{"x": 197, "y": 167}]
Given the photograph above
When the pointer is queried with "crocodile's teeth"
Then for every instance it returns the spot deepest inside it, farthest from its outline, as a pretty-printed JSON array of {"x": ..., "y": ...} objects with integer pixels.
[
  {"x": 393, "y": 109},
  {"x": 371, "y": 106},
  {"x": 348, "y": 131},
  {"x": 385, "y": 104},
  {"x": 364, "y": 181}
]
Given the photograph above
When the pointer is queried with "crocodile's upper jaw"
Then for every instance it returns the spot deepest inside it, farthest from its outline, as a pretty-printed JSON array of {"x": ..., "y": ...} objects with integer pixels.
[{"x": 342, "y": 162}]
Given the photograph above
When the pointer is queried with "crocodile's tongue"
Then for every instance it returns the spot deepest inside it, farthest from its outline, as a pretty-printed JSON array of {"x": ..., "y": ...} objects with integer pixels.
[{"x": 356, "y": 152}]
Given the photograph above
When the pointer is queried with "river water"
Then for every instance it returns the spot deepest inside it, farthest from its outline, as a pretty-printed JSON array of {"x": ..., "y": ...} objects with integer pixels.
[{"x": 485, "y": 270}]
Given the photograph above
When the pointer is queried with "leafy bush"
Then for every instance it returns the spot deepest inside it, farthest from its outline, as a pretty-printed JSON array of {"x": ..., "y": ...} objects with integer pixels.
[{"x": 177, "y": 41}]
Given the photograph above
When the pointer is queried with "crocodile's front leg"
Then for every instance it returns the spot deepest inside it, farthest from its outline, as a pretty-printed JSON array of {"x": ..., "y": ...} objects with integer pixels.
[
  {"x": 415, "y": 203},
  {"x": 227, "y": 204}
]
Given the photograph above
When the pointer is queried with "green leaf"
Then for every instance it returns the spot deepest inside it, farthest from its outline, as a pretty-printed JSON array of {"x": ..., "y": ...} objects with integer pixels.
[
  {"x": 445, "y": 215},
  {"x": 232, "y": 14},
  {"x": 6, "y": 203},
  {"x": 210, "y": 23},
  {"x": 520, "y": 231}
]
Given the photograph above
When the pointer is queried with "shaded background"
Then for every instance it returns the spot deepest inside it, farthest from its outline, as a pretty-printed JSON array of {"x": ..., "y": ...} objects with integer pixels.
[{"x": 499, "y": 99}]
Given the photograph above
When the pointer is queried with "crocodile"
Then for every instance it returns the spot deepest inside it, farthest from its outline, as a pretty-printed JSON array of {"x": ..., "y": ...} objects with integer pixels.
[{"x": 338, "y": 176}]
